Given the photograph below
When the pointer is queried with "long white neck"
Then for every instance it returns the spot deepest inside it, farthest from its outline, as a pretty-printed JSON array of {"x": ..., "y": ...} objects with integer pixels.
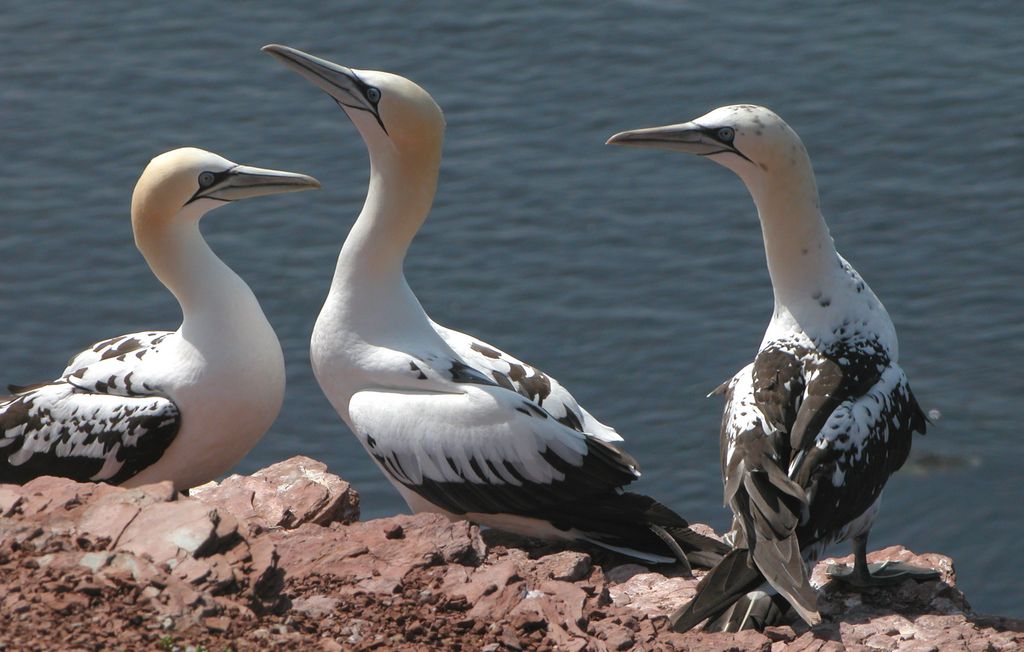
[
  {"x": 369, "y": 297},
  {"x": 814, "y": 293},
  {"x": 398, "y": 200},
  {"x": 802, "y": 259},
  {"x": 216, "y": 304}
]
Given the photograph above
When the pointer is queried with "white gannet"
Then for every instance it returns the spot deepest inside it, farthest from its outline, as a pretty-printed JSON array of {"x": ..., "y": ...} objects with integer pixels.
[
  {"x": 183, "y": 406},
  {"x": 814, "y": 427},
  {"x": 456, "y": 425}
]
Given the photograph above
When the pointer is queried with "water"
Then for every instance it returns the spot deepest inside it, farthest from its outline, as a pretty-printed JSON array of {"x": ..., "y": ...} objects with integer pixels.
[{"x": 635, "y": 277}]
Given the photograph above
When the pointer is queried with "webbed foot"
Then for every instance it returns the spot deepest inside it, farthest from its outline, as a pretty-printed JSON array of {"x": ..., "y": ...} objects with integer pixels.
[{"x": 880, "y": 574}]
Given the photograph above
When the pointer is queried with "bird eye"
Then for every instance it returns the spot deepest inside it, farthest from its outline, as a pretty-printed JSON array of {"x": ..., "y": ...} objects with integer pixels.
[
  {"x": 206, "y": 179},
  {"x": 726, "y": 134},
  {"x": 373, "y": 94}
]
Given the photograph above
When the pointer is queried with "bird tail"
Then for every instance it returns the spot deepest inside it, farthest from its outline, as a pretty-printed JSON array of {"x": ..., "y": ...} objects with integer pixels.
[
  {"x": 641, "y": 527},
  {"x": 736, "y": 576},
  {"x": 783, "y": 566},
  {"x": 733, "y": 577},
  {"x": 754, "y": 610}
]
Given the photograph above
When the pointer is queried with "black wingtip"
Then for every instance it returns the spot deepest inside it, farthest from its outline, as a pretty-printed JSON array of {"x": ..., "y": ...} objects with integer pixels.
[
  {"x": 21, "y": 389},
  {"x": 639, "y": 526}
]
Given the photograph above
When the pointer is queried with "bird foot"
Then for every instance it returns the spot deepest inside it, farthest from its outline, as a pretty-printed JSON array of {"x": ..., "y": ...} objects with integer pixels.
[{"x": 886, "y": 573}]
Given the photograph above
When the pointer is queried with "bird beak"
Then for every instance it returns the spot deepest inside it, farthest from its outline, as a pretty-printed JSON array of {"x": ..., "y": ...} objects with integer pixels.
[
  {"x": 341, "y": 83},
  {"x": 242, "y": 182},
  {"x": 686, "y": 137}
]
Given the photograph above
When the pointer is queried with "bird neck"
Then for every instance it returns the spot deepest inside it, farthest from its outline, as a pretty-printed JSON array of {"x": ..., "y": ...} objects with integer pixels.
[
  {"x": 214, "y": 300},
  {"x": 399, "y": 197},
  {"x": 802, "y": 259}
]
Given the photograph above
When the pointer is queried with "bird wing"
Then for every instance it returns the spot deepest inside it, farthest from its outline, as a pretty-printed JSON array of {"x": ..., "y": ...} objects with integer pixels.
[
  {"x": 105, "y": 421},
  {"x": 518, "y": 376},
  {"x": 809, "y": 440},
  {"x": 838, "y": 423},
  {"x": 865, "y": 439},
  {"x": 115, "y": 346},
  {"x": 767, "y": 504},
  {"x": 90, "y": 436},
  {"x": 484, "y": 449}
]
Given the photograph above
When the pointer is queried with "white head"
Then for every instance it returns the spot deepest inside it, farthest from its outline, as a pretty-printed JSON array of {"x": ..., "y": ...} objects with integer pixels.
[
  {"x": 391, "y": 112},
  {"x": 750, "y": 140},
  {"x": 186, "y": 183}
]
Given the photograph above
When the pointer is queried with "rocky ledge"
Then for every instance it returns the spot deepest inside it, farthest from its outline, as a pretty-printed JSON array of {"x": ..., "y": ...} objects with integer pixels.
[{"x": 279, "y": 560}]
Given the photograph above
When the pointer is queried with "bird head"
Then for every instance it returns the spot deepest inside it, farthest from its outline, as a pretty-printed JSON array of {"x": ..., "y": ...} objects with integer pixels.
[
  {"x": 189, "y": 182},
  {"x": 750, "y": 140},
  {"x": 387, "y": 109}
]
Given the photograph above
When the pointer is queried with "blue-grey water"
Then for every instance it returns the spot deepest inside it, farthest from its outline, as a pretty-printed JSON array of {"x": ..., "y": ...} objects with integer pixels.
[{"x": 635, "y": 277}]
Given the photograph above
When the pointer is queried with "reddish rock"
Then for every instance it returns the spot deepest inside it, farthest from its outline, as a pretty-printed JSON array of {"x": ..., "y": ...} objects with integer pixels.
[
  {"x": 653, "y": 593},
  {"x": 10, "y": 500},
  {"x": 287, "y": 494},
  {"x": 267, "y": 562},
  {"x": 315, "y": 605},
  {"x": 164, "y": 531},
  {"x": 568, "y": 565},
  {"x": 487, "y": 581}
]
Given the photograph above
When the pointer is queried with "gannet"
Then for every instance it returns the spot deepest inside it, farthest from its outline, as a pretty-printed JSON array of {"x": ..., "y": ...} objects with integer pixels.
[
  {"x": 458, "y": 426},
  {"x": 183, "y": 406},
  {"x": 816, "y": 424}
]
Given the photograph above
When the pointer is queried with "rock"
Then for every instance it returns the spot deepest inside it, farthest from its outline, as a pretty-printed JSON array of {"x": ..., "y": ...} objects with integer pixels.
[
  {"x": 653, "y": 593},
  {"x": 617, "y": 638},
  {"x": 170, "y": 531},
  {"x": 276, "y": 560},
  {"x": 10, "y": 500},
  {"x": 315, "y": 605},
  {"x": 217, "y": 624},
  {"x": 287, "y": 494},
  {"x": 620, "y": 574},
  {"x": 329, "y": 645},
  {"x": 568, "y": 565}
]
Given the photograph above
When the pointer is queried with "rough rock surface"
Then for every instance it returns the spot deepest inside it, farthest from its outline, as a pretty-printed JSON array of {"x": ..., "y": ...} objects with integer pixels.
[
  {"x": 287, "y": 494},
  {"x": 276, "y": 561}
]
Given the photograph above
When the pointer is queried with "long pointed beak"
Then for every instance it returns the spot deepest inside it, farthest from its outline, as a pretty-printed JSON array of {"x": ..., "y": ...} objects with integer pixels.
[
  {"x": 243, "y": 182},
  {"x": 341, "y": 83},
  {"x": 686, "y": 137}
]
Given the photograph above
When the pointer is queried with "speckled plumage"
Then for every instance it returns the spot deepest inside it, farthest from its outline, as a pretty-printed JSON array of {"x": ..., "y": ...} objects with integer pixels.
[
  {"x": 137, "y": 344},
  {"x": 815, "y": 425},
  {"x": 527, "y": 380},
  {"x": 90, "y": 436}
]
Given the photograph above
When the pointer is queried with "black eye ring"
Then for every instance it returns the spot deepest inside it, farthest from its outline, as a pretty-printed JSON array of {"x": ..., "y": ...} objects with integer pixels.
[
  {"x": 373, "y": 94},
  {"x": 206, "y": 179},
  {"x": 726, "y": 134}
]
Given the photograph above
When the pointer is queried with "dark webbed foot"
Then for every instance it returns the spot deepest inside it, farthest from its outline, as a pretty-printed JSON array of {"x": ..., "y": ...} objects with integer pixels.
[
  {"x": 863, "y": 575},
  {"x": 886, "y": 573}
]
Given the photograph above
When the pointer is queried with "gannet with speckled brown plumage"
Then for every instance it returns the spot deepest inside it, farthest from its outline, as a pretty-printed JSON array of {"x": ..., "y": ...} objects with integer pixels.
[{"x": 817, "y": 423}]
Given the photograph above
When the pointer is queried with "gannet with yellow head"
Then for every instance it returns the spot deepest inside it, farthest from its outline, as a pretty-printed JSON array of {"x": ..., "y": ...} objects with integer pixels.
[
  {"x": 458, "y": 426},
  {"x": 185, "y": 405}
]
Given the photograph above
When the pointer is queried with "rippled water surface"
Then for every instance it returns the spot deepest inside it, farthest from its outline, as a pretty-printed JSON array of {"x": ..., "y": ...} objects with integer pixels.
[{"x": 635, "y": 277}]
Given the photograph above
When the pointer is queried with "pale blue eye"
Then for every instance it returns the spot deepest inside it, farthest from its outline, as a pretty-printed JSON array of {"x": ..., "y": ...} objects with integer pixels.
[
  {"x": 206, "y": 179},
  {"x": 373, "y": 94},
  {"x": 726, "y": 134}
]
